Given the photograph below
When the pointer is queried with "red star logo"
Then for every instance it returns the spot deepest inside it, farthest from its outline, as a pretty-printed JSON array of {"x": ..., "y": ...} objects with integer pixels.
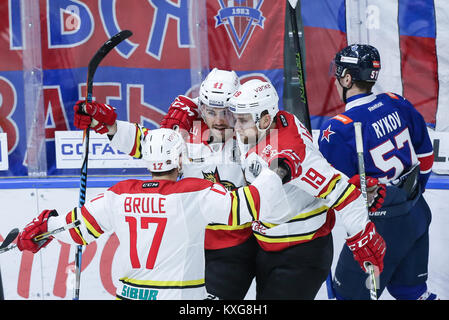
[{"x": 327, "y": 133}]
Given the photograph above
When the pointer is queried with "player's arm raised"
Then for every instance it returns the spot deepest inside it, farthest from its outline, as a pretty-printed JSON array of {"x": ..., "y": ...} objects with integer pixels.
[
  {"x": 125, "y": 136},
  {"x": 265, "y": 199}
]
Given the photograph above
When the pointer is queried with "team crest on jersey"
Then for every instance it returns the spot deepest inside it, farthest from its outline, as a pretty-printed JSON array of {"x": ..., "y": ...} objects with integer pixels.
[
  {"x": 327, "y": 133},
  {"x": 240, "y": 18},
  {"x": 215, "y": 178}
]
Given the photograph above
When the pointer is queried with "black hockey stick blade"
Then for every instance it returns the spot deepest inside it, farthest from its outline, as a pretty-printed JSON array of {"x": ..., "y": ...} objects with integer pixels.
[
  {"x": 100, "y": 54},
  {"x": 12, "y": 235}
]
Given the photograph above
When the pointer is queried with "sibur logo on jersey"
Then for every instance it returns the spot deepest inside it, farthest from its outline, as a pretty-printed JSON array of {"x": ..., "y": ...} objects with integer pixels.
[{"x": 240, "y": 19}]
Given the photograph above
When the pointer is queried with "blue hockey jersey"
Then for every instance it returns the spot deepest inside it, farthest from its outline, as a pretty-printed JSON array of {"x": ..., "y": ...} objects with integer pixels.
[{"x": 394, "y": 133}]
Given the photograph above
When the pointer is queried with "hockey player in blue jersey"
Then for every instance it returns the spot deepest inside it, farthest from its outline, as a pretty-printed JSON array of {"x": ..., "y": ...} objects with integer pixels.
[{"x": 398, "y": 159}]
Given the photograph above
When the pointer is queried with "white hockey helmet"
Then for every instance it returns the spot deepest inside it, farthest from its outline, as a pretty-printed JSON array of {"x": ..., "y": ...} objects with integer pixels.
[
  {"x": 162, "y": 150},
  {"x": 218, "y": 87},
  {"x": 254, "y": 97}
]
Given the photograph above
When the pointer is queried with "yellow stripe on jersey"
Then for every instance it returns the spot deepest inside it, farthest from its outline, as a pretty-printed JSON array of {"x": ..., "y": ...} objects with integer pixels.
[
  {"x": 331, "y": 186},
  {"x": 235, "y": 210},
  {"x": 164, "y": 284},
  {"x": 302, "y": 216},
  {"x": 216, "y": 226},
  {"x": 250, "y": 203},
  {"x": 281, "y": 239},
  {"x": 91, "y": 229},
  {"x": 345, "y": 194},
  {"x": 138, "y": 147},
  {"x": 77, "y": 229}
]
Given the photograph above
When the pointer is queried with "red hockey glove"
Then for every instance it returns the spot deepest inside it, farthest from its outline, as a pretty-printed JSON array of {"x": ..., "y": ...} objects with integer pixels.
[
  {"x": 289, "y": 162},
  {"x": 104, "y": 114},
  {"x": 182, "y": 112},
  {"x": 34, "y": 228},
  {"x": 368, "y": 246},
  {"x": 375, "y": 191}
]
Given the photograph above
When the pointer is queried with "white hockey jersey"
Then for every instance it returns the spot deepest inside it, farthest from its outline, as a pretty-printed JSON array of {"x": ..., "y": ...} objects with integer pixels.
[
  {"x": 161, "y": 227},
  {"x": 216, "y": 162},
  {"x": 315, "y": 190}
]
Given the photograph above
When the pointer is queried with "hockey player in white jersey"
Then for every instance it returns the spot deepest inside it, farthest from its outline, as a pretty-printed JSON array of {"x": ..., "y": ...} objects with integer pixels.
[
  {"x": 213, "y": 151},
  {"x": 160, "y": 223},
  {"x": 297, "y": 255}
]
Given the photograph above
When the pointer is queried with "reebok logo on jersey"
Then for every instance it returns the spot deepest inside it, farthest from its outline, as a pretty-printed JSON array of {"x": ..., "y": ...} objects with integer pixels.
[{"x": 151, "y": 184}]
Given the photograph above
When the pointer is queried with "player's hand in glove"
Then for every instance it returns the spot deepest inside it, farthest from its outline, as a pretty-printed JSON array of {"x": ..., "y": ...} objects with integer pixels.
[
  {"x": 181, "y": 114},
  {"x": 368, "y": 246},
  {"x": 375, "y": 191},
  {"x": 85, "y": 114},
  {"x": 286, "y": 164},
  {"x": 34, "y": 228}
]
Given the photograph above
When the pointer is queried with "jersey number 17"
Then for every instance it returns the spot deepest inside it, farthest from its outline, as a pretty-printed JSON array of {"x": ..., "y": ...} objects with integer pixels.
[{"x": 155, "y": 244}]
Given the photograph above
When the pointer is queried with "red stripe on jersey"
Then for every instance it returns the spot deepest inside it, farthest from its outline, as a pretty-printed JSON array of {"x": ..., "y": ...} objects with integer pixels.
[
  {"x": 231, "y": 217},
  {"x": 91, "y": 220},
  {"x": 324, "y": 230},
  {"x": 218, "y": 188},
  {"x": 426, "y": 162},
  {"x": 332, "y": 183},
  {"x": 349, "y": 198},
  {"x": 99, "y": 197},
  {"x": 220, "y": 239},
  {"x": 256, "y": 199},
  {"x": 73, "y": 233}
]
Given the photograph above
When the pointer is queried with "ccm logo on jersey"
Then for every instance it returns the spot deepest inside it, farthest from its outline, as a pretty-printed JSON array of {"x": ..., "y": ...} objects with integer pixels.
[{"x": 151, "y": 184}]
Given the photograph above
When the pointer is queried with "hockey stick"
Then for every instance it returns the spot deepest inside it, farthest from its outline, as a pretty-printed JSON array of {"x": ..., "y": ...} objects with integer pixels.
[
  {"x": 299, "y": 65},
  {"x": 361, "y": 164},
  {"x": 8, "y": 246},
  {"x": 92, "y": 67},
  {"x": 10, "y": 237}
]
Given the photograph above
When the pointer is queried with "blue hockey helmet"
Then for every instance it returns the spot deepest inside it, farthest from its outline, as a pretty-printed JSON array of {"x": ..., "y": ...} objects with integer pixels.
[{"x": 361, "y": 61}]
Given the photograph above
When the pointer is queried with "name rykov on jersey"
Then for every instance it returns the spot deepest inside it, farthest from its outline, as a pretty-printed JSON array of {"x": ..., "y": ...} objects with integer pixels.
[{"x": 387, "y": 124}]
